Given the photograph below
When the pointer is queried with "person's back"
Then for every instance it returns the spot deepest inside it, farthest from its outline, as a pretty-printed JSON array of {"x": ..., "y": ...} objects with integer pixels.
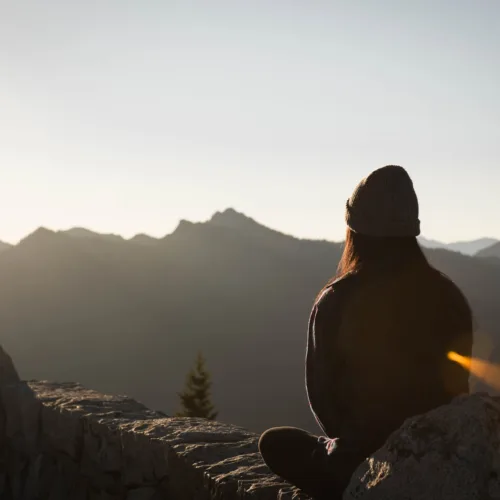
[{"x": 396, "y": 332}]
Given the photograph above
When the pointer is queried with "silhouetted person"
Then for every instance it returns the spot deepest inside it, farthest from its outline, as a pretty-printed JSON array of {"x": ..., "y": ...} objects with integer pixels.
[{"x": 378, "y": 339}]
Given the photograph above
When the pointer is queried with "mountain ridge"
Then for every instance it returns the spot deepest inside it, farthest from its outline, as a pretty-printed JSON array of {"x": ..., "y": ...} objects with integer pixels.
[
  {"x": 234, "y": 219},
  {"x": 492, "y": 251},
  {"x": 467, "y": 247}
]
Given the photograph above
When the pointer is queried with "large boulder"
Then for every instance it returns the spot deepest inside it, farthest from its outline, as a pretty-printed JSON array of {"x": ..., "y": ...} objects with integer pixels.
[
  {"x": 8, "y": 375},
  {"x": 8, "y": 372},
  {"x": 452, "y": 452}
]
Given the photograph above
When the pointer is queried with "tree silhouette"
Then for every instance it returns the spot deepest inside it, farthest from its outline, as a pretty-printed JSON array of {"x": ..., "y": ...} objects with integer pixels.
[{"x": 195, "y": 399}]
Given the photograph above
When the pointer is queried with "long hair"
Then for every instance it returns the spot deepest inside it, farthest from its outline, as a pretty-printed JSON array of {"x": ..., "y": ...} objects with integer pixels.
[
  {"x": 377, "y": 254},
  {"x": 382, "y": 253}
]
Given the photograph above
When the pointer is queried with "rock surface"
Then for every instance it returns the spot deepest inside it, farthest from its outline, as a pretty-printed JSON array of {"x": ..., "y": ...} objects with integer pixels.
[
  {"x": 452, "y": 452},
  {"x": 63, "y": 441}
]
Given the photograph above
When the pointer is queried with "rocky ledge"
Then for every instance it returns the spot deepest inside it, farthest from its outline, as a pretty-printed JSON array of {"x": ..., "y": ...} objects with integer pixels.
[{"x": 62, "y": 441}]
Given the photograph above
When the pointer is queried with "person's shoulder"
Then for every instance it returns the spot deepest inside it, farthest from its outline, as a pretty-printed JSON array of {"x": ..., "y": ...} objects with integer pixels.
[
  {"x": 337, "y": 291},
  {"x": 446, "y": 291},
  {"x": 443, "y": 282},
  {"x": 329, "y": 308}
]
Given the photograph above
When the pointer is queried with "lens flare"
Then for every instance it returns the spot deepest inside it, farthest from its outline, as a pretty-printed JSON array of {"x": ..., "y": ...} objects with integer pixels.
[
  {"x": 484, "y": 370},
  {"x": 461, "y": 360}
]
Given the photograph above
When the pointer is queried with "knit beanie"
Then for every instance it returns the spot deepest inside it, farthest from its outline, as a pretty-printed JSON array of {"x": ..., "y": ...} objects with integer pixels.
[{"x": 384, "y": 204}]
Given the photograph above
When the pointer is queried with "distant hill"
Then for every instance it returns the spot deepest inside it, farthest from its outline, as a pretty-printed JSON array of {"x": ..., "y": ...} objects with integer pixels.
[
  {"x": 144, "y": 239},
  {"x": 465, "y": 247},
  {"x": 4, "y": 246},
  {"x": 491, "y": 251},
  {"x": 124, "y": 317},
  {"x": 80, "y": 232}
]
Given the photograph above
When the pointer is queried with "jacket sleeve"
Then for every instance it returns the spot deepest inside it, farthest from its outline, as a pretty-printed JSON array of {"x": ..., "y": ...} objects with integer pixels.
[{"x": 323, "y": 368}]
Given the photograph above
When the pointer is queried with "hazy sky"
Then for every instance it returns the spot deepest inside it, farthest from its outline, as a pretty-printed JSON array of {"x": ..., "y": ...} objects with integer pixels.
[{"x": 126, "y": 116}]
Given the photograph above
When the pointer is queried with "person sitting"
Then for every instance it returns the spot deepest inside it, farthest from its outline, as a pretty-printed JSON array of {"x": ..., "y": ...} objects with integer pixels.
[{"x": 378, "y": 341}]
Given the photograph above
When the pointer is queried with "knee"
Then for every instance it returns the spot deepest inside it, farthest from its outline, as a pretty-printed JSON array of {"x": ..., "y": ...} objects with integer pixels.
[
  {"x": 282, "y": 440},
  {"x": 269, "y": 440}
]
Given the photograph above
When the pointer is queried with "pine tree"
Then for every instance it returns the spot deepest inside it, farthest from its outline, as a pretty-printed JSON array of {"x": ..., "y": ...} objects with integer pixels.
[{"x": 195, "y": 399}]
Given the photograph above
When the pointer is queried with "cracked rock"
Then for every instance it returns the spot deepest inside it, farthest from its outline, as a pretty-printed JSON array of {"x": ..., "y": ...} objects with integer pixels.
[{"x": 452, "y": 452}]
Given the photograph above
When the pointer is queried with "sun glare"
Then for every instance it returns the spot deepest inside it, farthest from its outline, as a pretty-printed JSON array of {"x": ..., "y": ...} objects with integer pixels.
[{"x": 484, "y": 370}]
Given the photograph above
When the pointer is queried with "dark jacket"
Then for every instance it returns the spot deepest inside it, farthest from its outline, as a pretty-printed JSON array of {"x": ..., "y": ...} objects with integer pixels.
[{"x": 377, "y": 351}]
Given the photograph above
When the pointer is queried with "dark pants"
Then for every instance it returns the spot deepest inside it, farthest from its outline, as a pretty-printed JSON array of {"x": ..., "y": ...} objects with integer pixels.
[{"x": 303, "y": 460}]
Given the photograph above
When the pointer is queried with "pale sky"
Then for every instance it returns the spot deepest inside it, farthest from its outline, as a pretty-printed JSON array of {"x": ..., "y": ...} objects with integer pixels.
[{"x": 126, "y": 116}]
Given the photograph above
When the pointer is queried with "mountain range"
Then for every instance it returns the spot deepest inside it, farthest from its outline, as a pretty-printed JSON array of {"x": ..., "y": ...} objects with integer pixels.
[
  {"x": 472, "y": 247},
  {"x": 482, "y": 246},
  {"x": 128, "y": 316},
  {"x": 490, "y": 251}
]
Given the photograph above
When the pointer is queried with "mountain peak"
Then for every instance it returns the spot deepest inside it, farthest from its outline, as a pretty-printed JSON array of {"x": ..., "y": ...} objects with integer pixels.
[
  {"x": 143, "y": 239},
  {"x": 40, "y": 232},
  {"x": 231, "y": 218},
  {"x": 183, "y": 227},
  {"x": 40, "y": 237},
  {"x": 81, "y": 232}
]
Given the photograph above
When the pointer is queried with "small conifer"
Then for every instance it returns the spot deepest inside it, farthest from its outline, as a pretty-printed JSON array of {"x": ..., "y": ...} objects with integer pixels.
[{"x": 196, "y": 399}]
